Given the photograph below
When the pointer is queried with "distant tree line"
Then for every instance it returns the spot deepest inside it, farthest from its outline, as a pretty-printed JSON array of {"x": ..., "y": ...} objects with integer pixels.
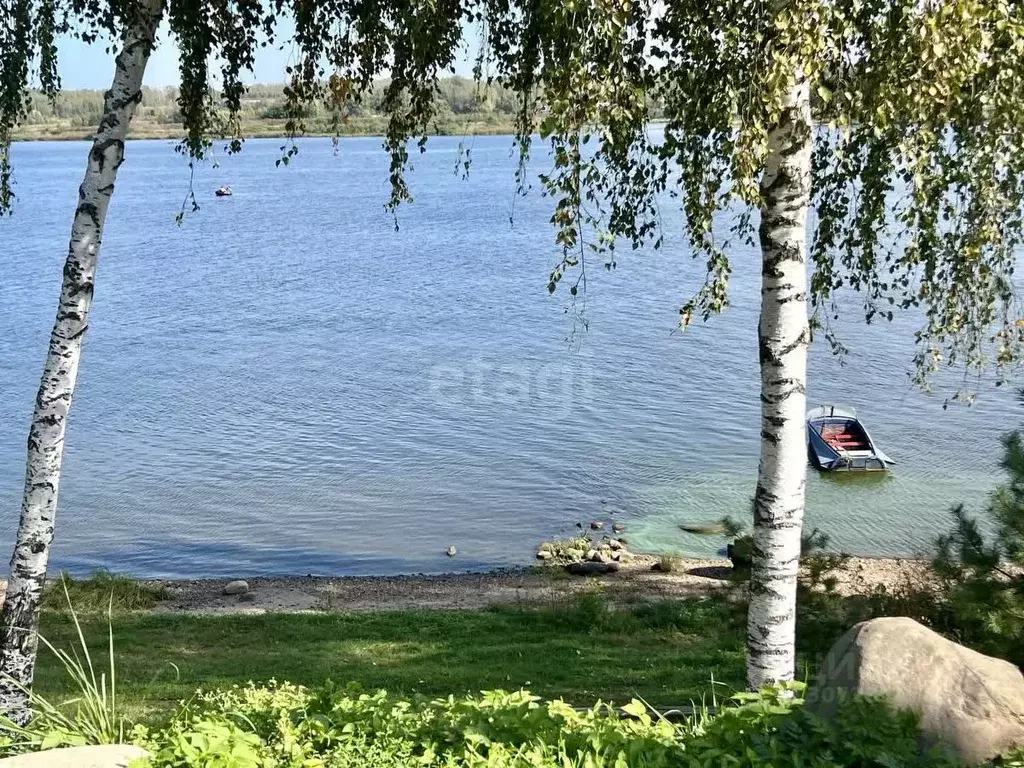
[{"x": 459, "y": 96}]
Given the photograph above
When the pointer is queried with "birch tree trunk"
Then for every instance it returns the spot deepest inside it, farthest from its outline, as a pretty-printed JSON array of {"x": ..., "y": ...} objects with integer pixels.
[
  {"x": 20, "y": 618},
  {"x": 783, "y": 336}
]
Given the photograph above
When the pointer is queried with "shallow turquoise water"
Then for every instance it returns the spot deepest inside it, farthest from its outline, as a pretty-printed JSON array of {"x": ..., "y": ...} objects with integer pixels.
[{"x": 285, "y": 384}]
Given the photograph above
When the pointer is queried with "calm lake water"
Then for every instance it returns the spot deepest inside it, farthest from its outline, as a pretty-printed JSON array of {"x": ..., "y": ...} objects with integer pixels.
[{"x": 287, "y": 385}]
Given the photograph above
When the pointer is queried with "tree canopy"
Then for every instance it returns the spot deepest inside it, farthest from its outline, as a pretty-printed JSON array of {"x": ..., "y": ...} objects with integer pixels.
[
  {"x": 918, "y": 163},
  {"x": 918, "y": 150}
]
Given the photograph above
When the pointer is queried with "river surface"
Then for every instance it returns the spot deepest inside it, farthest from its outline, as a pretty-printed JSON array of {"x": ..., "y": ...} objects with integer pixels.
[{"x": 285, "y": 384}]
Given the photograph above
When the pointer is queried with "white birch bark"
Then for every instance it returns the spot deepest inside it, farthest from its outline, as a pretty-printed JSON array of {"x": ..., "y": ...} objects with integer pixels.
[
  {"x": 20, "y": 618},
  {"x": 783, "y": 335}
]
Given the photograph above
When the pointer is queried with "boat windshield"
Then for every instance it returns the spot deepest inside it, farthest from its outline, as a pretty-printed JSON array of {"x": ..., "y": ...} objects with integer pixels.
[{"x": 841, "y": 411}]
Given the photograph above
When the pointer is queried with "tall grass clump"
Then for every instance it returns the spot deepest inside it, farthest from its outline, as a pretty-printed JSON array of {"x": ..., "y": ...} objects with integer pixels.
[
  {"x": 91, "y": 715},
  {"x": 103, "y": 591}
]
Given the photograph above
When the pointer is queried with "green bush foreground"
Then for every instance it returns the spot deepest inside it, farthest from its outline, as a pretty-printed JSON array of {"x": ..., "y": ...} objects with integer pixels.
[{"x": 287, "y": 725}]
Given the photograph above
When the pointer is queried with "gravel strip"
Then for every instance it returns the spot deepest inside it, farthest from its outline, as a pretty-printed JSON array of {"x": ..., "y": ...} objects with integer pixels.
[{"x": 475, "y": 591}]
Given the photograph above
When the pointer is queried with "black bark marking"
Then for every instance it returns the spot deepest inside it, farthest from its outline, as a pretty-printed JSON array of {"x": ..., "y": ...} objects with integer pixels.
[
  {"x": 90, "y": 210},
  {"x": 99, "y": 153},
  {"x": 83, "y": 287},
  {"x": 785, "y": 394},
  {"x": 801, "y": 297},
  {"x": 764, "y": 349},
  {"x": 777, "y": 288},
  {"x": 771, "y": 356},
  {"x": 79, "y": 333}
]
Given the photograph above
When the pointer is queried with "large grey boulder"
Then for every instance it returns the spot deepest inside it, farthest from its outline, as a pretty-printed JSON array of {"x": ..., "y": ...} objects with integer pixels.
[
  {"x": 106, "y": 756},
  {"x": 969, "y": 703}
]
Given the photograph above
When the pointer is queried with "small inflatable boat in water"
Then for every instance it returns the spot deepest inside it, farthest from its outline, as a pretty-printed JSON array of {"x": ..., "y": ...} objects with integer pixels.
[
  {"x": 224, "y": 191},
  {"x": 836, "y": 440}
]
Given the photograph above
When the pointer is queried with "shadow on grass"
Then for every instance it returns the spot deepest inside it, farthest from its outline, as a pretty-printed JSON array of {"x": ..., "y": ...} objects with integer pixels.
[
  {"x": 720, "y": 572},
  {"x": 666, "y": 652}
]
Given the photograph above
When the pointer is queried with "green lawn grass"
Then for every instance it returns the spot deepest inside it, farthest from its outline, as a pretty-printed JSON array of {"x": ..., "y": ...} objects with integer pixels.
[{"x": 668, "y": 653}]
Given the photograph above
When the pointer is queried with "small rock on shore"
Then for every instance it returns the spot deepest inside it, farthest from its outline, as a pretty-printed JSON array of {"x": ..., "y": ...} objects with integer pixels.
[{"x": 236, "y": 587}]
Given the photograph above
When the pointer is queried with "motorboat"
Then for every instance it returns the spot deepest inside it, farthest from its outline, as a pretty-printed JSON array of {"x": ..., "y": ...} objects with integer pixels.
[{"x": 837, "y": 440}]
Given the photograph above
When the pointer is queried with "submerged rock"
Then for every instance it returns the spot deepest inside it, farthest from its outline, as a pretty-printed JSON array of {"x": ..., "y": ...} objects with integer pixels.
[
  {"x": 596, "y": 525},
  {"x": 545, "y": 554},
  {"x": 237, "y": 587},
  {"x": 970, "y": 704},
  {"x": 451, "y": 551},
  {"x": 619, "y": 527}
]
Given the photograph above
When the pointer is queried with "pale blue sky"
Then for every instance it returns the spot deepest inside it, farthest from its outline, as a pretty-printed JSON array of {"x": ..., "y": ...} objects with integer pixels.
[{"x": 91, "y": 66}]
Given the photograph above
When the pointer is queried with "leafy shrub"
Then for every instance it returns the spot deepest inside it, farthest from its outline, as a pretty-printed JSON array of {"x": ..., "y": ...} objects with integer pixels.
[
  {"x": 288, "y": 726},
  {"x": 772, "y": 728},
  {"x": 284, "y": 725},
  {"x": 824, "y": 614}
]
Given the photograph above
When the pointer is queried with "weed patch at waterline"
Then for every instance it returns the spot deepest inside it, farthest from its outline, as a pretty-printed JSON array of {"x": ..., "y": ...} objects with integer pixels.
[{"x": 103, "y": 591}]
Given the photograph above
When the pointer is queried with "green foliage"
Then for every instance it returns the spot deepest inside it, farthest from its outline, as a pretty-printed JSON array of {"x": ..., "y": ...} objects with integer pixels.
[
  {"x": 91, "y": 716},
  {"x": 28, "y": 31},
  {"x": 918, "y": 158},
  {"x": 103, "y": 591},
  {"x": 818, "y": 565},
  {"x": 773, "y": 728},
  {"x": 918, "y": 161},
  {"x": 983, "y": 576},
  {"x": 973, "y": 593},
  {"x": 286, "y": 725}
]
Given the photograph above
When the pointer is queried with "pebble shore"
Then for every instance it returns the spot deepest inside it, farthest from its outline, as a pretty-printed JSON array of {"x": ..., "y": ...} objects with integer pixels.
[{"x": 539, "y": 586}]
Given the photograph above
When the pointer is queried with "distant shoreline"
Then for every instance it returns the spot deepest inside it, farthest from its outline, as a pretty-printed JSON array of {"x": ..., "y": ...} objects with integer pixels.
[
  {"x": 260, "y": 130},
  {"x": 470, "y": 125}
]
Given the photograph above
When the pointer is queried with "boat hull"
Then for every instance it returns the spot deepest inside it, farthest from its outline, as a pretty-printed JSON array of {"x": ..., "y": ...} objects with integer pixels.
[{"x": 838, "y": 442}]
